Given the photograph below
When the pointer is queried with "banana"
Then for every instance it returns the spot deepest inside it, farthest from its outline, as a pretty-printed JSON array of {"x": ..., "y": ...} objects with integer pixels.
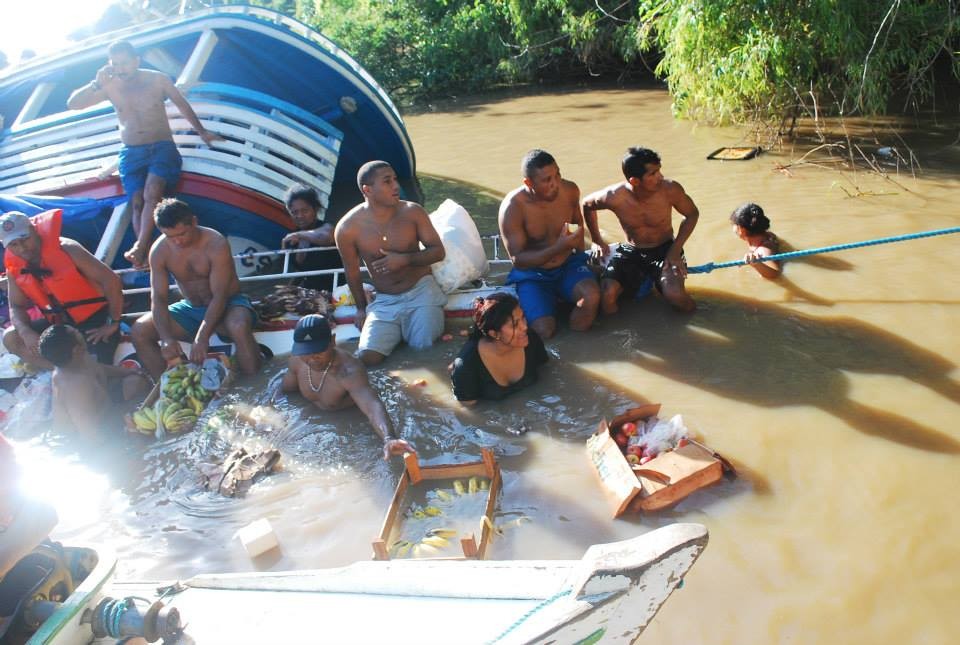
[
  {"x": 435, "y": 541},
  {"x": 419, "y": 515},
  {"x": 426, "y": 550},
  {"x": 442, "y": 532},
  {"x": 484, "y": 484},
  {"x": 195, "y": 404},
  {"x": 443, "y": 495},
  {"x": 458, "y": 486},
  {"x": 432, "y": 511},
  {"x": 401, "y": 548},
  {"x": 143, "y": 422},
  {"x": 472, "y": 485}
]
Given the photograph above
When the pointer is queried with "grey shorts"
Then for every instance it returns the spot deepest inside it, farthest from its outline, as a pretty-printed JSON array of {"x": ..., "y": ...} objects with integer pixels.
[{"x": 415, "y": 316}]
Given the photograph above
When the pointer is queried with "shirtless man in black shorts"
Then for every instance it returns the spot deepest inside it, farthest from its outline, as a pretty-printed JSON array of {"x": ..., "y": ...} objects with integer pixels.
[{"x": 644, "y": 204}]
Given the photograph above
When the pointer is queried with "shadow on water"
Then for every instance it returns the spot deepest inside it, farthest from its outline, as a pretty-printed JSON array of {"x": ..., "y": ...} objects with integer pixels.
[{"x": 770, "y": 356}]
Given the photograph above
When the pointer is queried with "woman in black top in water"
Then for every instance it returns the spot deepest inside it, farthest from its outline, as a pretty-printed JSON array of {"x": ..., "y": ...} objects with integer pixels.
[{"x": 502, "y": 354}]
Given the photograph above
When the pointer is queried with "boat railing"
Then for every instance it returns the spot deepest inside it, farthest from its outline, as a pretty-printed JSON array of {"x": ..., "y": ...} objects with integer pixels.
[
  {"x": 338, "y": 274},
  {"x": 269, "y": 145}
]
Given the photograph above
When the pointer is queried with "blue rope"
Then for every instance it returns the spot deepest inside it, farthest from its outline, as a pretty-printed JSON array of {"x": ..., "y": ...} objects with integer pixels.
[
  {"x": 530, "y": 613},
  {"x": 710, "y": 266}
]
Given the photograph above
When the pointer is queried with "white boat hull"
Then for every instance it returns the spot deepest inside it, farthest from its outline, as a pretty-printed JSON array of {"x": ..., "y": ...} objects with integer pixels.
[{"x": 610, "y": 595}]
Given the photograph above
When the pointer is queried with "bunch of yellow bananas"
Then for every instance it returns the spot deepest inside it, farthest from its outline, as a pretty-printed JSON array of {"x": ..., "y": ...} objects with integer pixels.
[
  {"x": 145, "y": 420},
  {"x": 176, "y": 416}
]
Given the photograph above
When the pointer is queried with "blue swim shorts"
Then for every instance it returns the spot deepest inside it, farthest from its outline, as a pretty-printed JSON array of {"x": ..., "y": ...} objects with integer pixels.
[
  {"x": 136, "y": 162},
  {"x": 189, "y": 317},
  {"x": 539, "y": 289}
]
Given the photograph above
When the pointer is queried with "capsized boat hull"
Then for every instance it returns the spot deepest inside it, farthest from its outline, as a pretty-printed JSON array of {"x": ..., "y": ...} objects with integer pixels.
[{"x": 608, "y": 596}]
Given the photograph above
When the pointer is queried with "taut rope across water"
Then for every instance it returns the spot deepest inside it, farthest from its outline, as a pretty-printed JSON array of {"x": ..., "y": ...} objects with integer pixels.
[{"x": 710, "y": 266}]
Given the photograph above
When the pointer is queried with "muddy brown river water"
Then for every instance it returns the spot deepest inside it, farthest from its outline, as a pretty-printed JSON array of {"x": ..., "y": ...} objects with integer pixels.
[{"x": 835, "y": 391}]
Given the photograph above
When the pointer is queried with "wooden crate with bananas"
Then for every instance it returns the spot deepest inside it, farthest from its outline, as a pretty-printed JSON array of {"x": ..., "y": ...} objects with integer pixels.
[
  {"x": 438, "y": 511},
  {"x": 179, "y": 398}
]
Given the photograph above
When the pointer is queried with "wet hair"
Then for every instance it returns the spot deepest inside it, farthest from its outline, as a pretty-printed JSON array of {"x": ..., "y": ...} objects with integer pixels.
[
  {"x": 306, "y": 193},
  {"x": 635, "y": 162},
  {"x": 122, "y": 47},
  {"x": 535, "y": 160},
  {"x": 492, "y": 313},
  {"x": 57, "y": 344},
  {"x": 368, "y": 171},
  {"x": 171, "y": 212},
  {"x": 750, "y": 217}
]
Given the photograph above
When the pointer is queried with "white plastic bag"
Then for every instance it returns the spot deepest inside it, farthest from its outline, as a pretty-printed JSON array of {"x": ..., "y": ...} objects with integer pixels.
[{"x": 465, "y": 258}]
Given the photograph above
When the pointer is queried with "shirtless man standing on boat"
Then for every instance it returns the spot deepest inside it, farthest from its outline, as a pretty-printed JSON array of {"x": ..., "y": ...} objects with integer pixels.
[
  {"x": 199, "y": 260},
  {"x": 542, "y": 229},
  {"x": 332, "y": 379},
  {"x": 149, "y": 163},
  {"x": 386, "y": 233},
  {"x": 644, "y": 204}
]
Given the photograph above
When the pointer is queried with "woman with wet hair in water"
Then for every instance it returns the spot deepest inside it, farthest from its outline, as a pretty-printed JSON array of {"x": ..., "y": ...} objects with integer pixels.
[
  {"x": 502, "y": 354},
  {"x": 752, "y": 226}
]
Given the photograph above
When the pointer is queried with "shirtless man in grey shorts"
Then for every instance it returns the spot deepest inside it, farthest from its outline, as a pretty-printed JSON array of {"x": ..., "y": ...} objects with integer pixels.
[{"x": 386, "y": 233}]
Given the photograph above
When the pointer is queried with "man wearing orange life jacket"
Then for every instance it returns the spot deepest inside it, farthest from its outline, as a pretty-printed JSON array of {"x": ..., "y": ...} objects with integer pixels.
[{"x": 63, "y": 280}]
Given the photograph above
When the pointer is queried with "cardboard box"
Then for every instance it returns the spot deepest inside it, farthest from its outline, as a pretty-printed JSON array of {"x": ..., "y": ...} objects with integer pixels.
[
  {"x": 415, "y": 476},
  {"x": 661, "y": 482}
]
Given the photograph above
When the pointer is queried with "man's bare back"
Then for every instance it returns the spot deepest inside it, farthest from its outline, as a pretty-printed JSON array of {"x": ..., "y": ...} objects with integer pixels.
[
  {"x": 191, "y": 267},
  {"x": 370, "y": 236},
  {"x": 535, "y": 224}
]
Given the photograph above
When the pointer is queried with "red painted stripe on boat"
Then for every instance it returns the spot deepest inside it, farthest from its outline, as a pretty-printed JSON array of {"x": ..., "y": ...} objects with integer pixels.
[{"x": 193, "y": 184}]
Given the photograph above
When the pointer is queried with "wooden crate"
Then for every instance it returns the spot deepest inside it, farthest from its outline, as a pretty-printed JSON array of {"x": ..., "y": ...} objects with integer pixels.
[
  {"x": 661, "y": 482},
  {"x": 414, "y": 475}
]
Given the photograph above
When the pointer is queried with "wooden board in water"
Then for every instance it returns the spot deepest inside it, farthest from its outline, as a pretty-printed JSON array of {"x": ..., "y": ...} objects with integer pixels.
[{"x": 734, "y": 154}]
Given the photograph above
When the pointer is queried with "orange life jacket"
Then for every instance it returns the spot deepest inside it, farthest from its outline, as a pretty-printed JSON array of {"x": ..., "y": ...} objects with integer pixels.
[{"x": 63, "y": 294}]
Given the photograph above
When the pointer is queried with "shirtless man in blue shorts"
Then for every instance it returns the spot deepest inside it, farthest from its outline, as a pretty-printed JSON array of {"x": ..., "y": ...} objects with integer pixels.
[
  {"x": 387, "y": 232},
  {"x": 542, "y": 229},
  {"x": 644, "y": 204},
  {"x": 149, "y": 161},
  {"x": 199, "y": 260}
]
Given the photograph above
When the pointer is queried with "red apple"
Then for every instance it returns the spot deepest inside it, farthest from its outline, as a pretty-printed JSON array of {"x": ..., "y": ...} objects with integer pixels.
[
  {"x": 629, "y": 429},
  {"x": 635, "y": 450},
  {"x": 633, "y": 459},
  {"x": 621, "y": 439}
]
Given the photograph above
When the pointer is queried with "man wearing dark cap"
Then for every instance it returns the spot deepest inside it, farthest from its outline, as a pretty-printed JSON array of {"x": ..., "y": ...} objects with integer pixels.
[
  {"x": 63, "y": 280},
  {"x": 333, "y": 379}
]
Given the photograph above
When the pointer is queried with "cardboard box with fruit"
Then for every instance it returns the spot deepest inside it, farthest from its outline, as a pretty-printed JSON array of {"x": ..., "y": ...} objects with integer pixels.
[{"x": 646, "y": 463}]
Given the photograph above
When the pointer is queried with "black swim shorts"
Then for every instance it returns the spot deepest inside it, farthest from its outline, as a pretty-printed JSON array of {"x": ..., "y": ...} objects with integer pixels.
[{"x": 631, "y": 266}]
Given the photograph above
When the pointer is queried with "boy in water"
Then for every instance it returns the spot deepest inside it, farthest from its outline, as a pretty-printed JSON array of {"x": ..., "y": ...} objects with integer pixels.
[{"x": 83, "y": 389}]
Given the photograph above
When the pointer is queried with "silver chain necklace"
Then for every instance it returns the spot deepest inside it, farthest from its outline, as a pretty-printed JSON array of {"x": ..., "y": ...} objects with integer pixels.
[{"x": 323, "y": 376}]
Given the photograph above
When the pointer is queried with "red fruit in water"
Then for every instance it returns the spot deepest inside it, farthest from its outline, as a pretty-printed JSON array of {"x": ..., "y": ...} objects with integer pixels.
[
  {"x": 621, "y": 440},
  {"x": 629, "y": 429}
]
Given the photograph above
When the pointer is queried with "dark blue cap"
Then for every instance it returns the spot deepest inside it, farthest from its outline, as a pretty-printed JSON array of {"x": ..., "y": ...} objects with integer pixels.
[{"x": 312, "y": 335}]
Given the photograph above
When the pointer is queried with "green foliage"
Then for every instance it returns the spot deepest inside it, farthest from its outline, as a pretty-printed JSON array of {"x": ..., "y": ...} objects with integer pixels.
[{"x": 745, "y": 60}]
